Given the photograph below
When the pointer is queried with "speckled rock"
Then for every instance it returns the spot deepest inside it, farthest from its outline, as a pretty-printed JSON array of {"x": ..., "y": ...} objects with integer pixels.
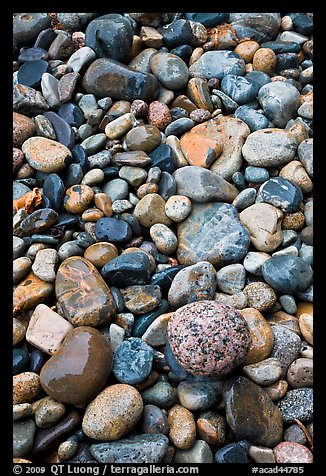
[
  {"x": 68, "y": 383},
  {"x": 46, "y": 155},
  {"x": 261, "y": 336},
  {"x": 170, "y": 70},
  {"x": 23, "y": 437},
  {"x": 205, "y": 325},
  {"x": 19, "y": 331},
  {"x": 221, "y": 221},
  {"x": 178, "y": 207},
  {"x": 281, "y": 193},
  {"x": 296, "y": 173},
  {"x": 265, "y": 425},
  {"x": 134, "y": 449},
  {"x": 44, "y": 264},
  {"x": 231, "y": 278},
  {"x": 289, "y": 452},
  {"x": 286, "y": 346},
  {"x": 164, "y": 239},
  {"x": 300, "y": 373},
  {"x": 48, "y": 412},
  {"x": 132, "y": 362},
  {"x": 154, "y": 420},
  {"x": 193, "y": 283},
  {"x": 23, "y": 128},
  {"x": 182, "y": 427},
  {"x": 263, "y": 222},
  {"x": 82, "y": 294},
  {"x": 297, "y": 403},
  {"x": 26, "y": 387},
  {"x": 113, "y": 413},
  {"x": 260, "y": 296}
]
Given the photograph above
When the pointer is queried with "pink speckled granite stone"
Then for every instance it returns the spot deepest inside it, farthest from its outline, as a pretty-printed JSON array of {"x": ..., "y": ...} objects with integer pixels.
[
  {"x": 208, "y": 339},
  {"x": 290, "y": 452}
]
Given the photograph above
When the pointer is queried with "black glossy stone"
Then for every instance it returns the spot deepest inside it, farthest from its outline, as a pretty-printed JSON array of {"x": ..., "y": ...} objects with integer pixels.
[
  {"x": 72, "y": 114},
  {"x": 111, "y": 172},
  {"x": 80, "y": 157},
  {"x": 84, "y": 240},
  {"x": 179, "y": 126},
  {"x": 20, "y": 359},
  {"x": 36, "y": 361},
  {"x": 54, "y": 190},
  {"x": 73, "y": 175},
  {"x": 176, "y": 33},
  {"x": 163, "y": 158},
  {"x": 287, "y": 274},
  {"x": 208, "y": 19},
  {"x": 66, "y": 220},
  {"x": 38, "y": 221},
  {"x": 45, "y": 38},
  {"x": 132, "y": 221},
  {"x": 127, "y": 269},
  {"x": 164, "y": 278},
  {"x": 65, "y": 134},
  {"x": 167, "y": 185},
  {"x": 112, "y": 230},
  {"x": 183, "y": 51},
  {"x": 132, "y": 361},
  {"x": 145, "y": 320},
  {"x": 110, "y": 36},
  {"x": 279, "y": 46},
  {"x": 30, "y": 74},
  {"x": 287, "y": 61},
  {"x": 32, "y": 54},
  {"x": 281, "y": 193},
  {"x": 118, "y": 299},
  {"x": 232, "y": 453},
  {"x": 303, "y": 24}
]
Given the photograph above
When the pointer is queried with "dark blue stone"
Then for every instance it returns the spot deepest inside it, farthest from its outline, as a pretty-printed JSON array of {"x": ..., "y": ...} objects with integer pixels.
[
  {"x": 80, "y": 157},
  {"x": 44, "y": 238},
  {"x": 287, "y": 61},
  {"x": 67, "y": 220},
  {"x": 174, "y": 365},
  {"x": 72, "y": 114},
  {"x": 303, "y": 24},
  {"x": 84, "y": 240},
  {"x": 127, "y": 269},
  {"x": 239, "y": 180},
  {"x": 132, "y": 221},
  {"x": 112, "y": 230},
  {"x": 45, "y": 38},
  {"x": 110, "y": 36},
  {"x": 163, "y": 158},
  {"x": 164, "y": 278},
  {"x": 46, "y": 203},
  {"x": 167, "y": 185},
  {"x": 287, "y": 274},
  {"x": 231, "y": 453},
  {"x": 254, "y": 119},
  {"x": 208, "y": 19},
  {"x": 20, "y": 359},
  {"x": 54, "y": 190},
  {"x": 228, "y": 104},
  {"x": 258, "y": 79},
  {"x": 118, "y": 299},
  {"x": 73, "y": 175},
  {"x": 32, "y": 54},
  {"x": 36, "y": 361},
  {"x": 183, "y": 51},
  {"x": 178, "y": 127},
  {"x": 30, "y": 74},
  {"x": 279, "y": 46},
  {"x": 111, "y": 172},
  {"x": 65, "y": 135},
  {"x": 306, "y": 64},
  {"x": 132, "y": 361},
  {"x": 281, "y": 193},
  {"x": 145, "y": 320},
  {"x": 176, "y": 33},
  {"x": 240, "y": 89}
]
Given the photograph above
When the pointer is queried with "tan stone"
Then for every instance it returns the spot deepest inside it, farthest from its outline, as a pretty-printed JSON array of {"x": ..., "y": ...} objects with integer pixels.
[
  {"x": 261, "y": 336},
  {"x": 247, "y": 49},
  {"x": 92, "y": 215},
  {"x": 293, "y": 221},
  {"x": 26, "y": 387},
  {"x": 100, "y": 253},
  {"x": 277, "y": 390},
  {"x": 264, "y": 60},
  {"x": 45, "y": 154},
  {"x": 18, "y": 330},
  {"x": 306, "y": 327},
  {"x": 150, "y": 210},
  {"x": 103, "y": 203},
  {"x": 49, "y": 412},
  {"x": 150, "y": 37},
  {"x": 30, "y": 292},
  {"x": 296, "y": 173},
  {"x": 120, "y": 126},
  {"x": 304, "y": 307},
  {"x": 182, "y": 427}
]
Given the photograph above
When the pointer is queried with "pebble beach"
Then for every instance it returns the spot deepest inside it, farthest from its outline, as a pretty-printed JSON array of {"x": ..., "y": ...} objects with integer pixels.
[{"x": 163, "y": 238}]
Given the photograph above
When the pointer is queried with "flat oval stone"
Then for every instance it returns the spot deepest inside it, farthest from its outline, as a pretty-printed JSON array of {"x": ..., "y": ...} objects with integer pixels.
[
  {"x": 198, "y": 395},
  {"x": 170, "y": 70},
  {"x": 100, "y": 253},
  {"x": 209, "y": 224},
  {"x": 132, "y": 361},
  {"x": 281, "y": 193},
  {"x": 217, "y": 64},
  {"x": 79, "y": 370},
  {"x": 219, "y": 331},
  {"x": 20, "y": 360},
  {"x": 113, "y": 230},
  {"x": 289, "y": 452},
  {"x": 127, "y": 269},
  {"x": 286, "y": 346},
  {"x": 264, "y": 372},
  {"x": 300, "y": 373},
  {"x": 120, "y": 407},
  {"x": 23, "y": 437},
  {"x": 182, "y": 427},
  {"x": 134, "y": 449},
  {"x": 30, "y": 292},
  {"x": 211, "y": 427},
  {"x": 254, "y": 119},
  {"x": 287, "y": 274},
  {"x": 261, "y": 336},
  {"x": 269, "y": 148},
  {"x": 140, "y": 299},
  {"x": 30, "y": 74},
  {"x": 26, "y": 387},
  {"x": 265, "y": 425},
  {"x": 37, "y": 222},
  {"x": 144, "y": 138},
  {"x": 46, "y": 155},
  {"x": 82, "y": 294},
  {"x": 107, "y": 77}
]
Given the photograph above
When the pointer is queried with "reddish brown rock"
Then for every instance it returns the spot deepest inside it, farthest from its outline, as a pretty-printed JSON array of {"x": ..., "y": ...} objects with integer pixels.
[
  {"x": 23, "y": 128},
  {"x": 159, "y": 115},
  {"x": 30, "y": 292},
  {"x": 247, "y": 49},
  {"x": 78, "y": 198},
  {"x": 79, "y": 370},
  {"x": 83, "y": 296},
  {"x": 261, "y": 336},
  {"x": 289, "y": 452},
  {"x": 211, "y": 427}
]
